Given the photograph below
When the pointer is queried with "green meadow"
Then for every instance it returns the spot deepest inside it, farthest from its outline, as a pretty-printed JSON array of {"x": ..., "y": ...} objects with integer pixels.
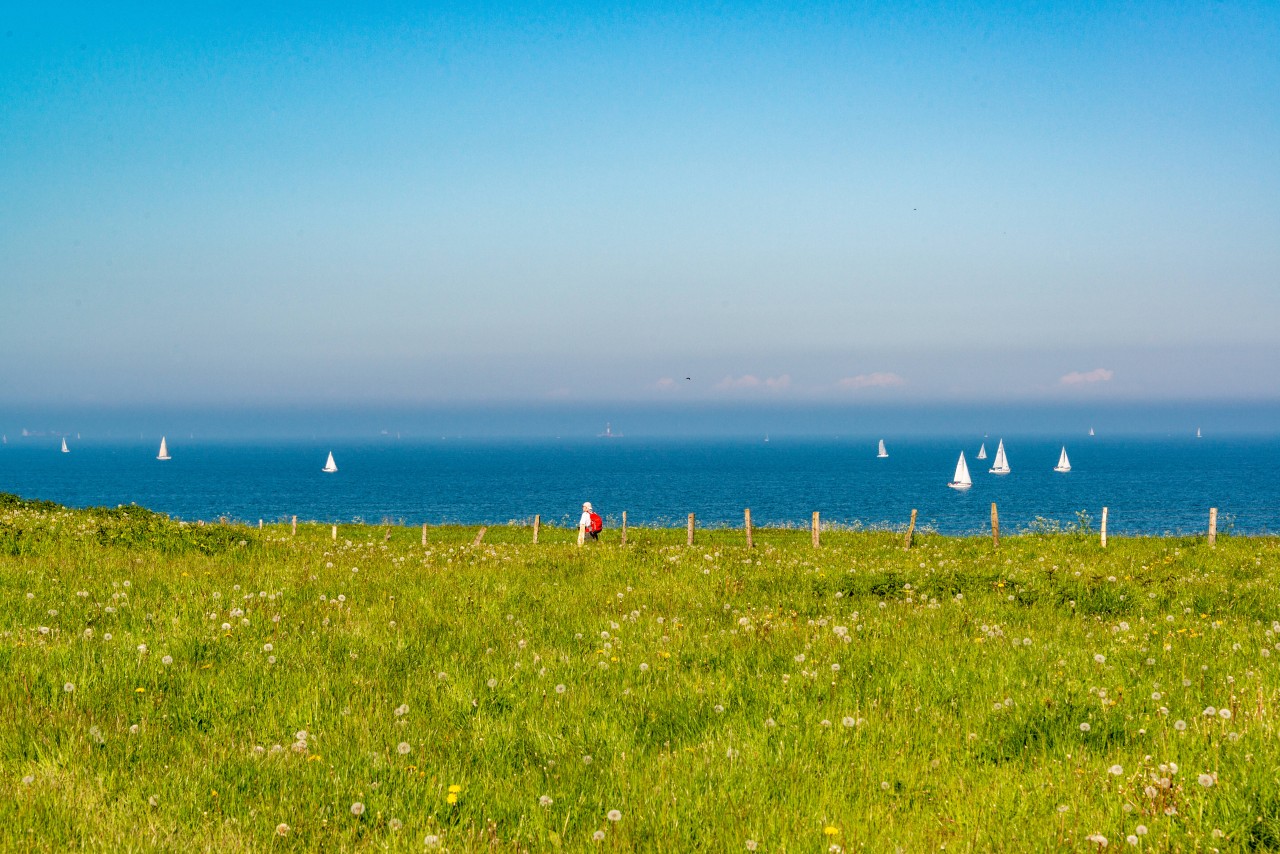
[{"x": 170, "y": 686}]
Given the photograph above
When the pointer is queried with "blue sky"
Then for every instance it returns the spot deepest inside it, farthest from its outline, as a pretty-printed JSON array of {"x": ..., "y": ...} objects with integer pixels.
[{"x": 784, "y": 202}]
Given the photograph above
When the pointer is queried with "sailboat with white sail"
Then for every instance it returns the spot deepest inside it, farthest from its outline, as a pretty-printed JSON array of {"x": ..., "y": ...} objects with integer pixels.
[
  {"x": 1090, "y": 431},
  {"x": 882, "y": 453},
  {"x": 1064, "y": 464},
  {"x": 330, "y": 466},
  {"x": 982, "y": 451},
  {"x": 65, "y": 449},
  {"x": 1198, "y": 436},
  {"x": 962, "y": 479},
  {"x": 164, "y": 451},
  {"x": 1001, "y": 465}
]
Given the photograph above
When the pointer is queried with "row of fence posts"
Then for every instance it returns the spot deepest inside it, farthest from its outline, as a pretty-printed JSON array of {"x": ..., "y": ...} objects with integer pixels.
[{"x": 816, "y": 529}]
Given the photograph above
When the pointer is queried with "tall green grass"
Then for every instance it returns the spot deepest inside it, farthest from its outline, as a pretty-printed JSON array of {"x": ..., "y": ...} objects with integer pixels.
[{"x": 187, "y": 687}]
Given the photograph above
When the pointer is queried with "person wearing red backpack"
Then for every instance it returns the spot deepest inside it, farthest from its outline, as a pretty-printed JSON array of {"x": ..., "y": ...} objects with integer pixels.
[{"x": 590, "y": 523}]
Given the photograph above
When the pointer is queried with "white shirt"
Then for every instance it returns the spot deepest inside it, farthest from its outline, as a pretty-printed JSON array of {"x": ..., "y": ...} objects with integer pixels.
[{"x": 585, "y": 521}]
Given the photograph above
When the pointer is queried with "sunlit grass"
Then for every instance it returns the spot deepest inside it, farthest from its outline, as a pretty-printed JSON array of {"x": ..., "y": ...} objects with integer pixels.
[{"x": 227, "y": 688}]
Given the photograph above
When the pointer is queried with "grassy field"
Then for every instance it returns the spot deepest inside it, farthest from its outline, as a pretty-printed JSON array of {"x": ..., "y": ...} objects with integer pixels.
[{"x": 225, "y": 688}]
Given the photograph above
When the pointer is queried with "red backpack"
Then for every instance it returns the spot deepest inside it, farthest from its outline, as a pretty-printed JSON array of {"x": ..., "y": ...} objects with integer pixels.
[{"x": 597, "y": 524}]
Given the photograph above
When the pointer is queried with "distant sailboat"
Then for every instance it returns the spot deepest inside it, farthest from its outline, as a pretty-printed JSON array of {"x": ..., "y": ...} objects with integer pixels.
[
  {"x": 882, "y": 454},
  {"x": 1090, "y": 431},
  {"x": 962, "y": 479},
  {"x": 1002, "y": 463},
  {"x": 1198, "y": 436},
  {"x": 982, "y": 451},
  {"x": 766, "y": 437},
  {"x": 330, "y": 466},
  {"x": 164, "y": 451},
  {"x": 1064, "y": 464},
  {"x": 65, "y": 449}
]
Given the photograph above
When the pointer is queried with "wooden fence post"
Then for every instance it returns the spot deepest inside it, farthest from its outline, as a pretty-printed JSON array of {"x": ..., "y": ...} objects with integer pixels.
[
  {"x": 424, "y": 533},
  {"x": 295, "y": 526},
  {"x": 479, "y": 536},
  {"x": 690, "y": 529},
  {"x": 995, "y": 525},
  {"x": 1104, "y": 527},
  {"x": 335, "y": 532},
  {"x": 1213, "y": 525},
  {"x": 537, "y": 523},
  {"x": 816, "y": 526},
  {"x": 582, "y": 534},
  {"x": 624, "y": 527},
  {"x": 911, "y": 530},
  {"x": 746, "y": 521}
]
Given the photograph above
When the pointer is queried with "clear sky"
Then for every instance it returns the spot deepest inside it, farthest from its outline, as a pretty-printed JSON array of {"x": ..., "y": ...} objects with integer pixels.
[{"x": 806, "y": 202}]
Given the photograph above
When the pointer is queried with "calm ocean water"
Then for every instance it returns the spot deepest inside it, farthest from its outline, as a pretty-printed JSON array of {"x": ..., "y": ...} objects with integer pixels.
[{"x": 1151, "y": 485}]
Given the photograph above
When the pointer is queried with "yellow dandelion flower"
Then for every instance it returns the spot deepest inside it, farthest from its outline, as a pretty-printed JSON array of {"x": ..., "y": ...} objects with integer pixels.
[
  {"x": 139, "y": 690},
  {"x": 315, "y": 757},
  {"x": 830, "y": 830},
  {"x": 452, "y": 798},
  {"x": 455, "y": 788}
]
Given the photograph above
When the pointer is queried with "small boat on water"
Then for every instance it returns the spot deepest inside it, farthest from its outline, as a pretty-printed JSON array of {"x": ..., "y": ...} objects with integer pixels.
[
  {"x": 1064, "y": 465},
  {"x": 330, "y": 466},
  {"x": 164, "y": 451},
  {"x": 65, "y": 449},
  {"x": 962, "y": 479},
  {"x": 1090, "y": 431},
  {"x": 1198, "y": 436},
  {"x": 982, "y": 451},
  {"x": 1001, "y": 465},
  {"x": 882, "y": 454}
]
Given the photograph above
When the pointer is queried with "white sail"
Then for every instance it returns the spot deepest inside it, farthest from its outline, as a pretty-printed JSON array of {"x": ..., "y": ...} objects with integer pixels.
[
  {"x": 330, "y": 466},
  {"x": 1064, "y": 464},
  {"x": 164, "y": 450},
  {"x": 1002, "y": 463},
  {"x": 962, "y": 479},
  {"x": 65, "y": 449},
  {"x": 1090, "y": 431},
  {"x": 982, "y": 451},
  {"x": 882, "y": 452},
  {"x": 1198, "y": 436}
]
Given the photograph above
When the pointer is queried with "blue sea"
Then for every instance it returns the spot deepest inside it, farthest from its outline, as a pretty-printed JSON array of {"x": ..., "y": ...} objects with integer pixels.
[{"x": 1151, "y": 485}]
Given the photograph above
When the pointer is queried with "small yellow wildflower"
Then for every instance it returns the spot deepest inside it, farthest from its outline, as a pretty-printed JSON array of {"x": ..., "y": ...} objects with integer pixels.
[
  {"x": 451, "y": 798},
  {"x": 139, "y": 690},
  {"x": 830, "y": 830},
  {"x": 455, "y": 788}
]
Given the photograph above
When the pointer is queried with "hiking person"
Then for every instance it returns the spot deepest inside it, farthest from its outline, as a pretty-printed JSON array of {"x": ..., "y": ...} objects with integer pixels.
[{"x": 590, "y": 524}]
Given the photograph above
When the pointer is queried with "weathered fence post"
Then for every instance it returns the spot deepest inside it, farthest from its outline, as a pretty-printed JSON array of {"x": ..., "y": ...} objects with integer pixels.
[
  {"x": 294, "y": 532},
  {"x": 479, "y": 536},
  {"x": 424, "y": 533},
  {"x": 746, "y": 521},
  {"x": 995, "y": 525},
  {"x": 690, "y": 529},
  {"x": 1104, "y": 527},
  {"x": 335, "y": 532},
  {"x": 1213, "y": 525},
  {"x": 582, "y": 534},
  {"x": 624, "y": 527},
  {"x": 537, "y": 523},
  {"x": 911, "y": 530},
  {"x": 816, "y": 541}
]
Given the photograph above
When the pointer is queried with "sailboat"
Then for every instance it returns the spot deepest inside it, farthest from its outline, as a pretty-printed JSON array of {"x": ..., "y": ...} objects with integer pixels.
[
  {"x": 164, "y": 451},
  {"x": 65, "y": 449},
  {"x": 330, "y": 466},
  {"x": 1002, "y": 463},
  {"x": 1064, "y": 464},
  {"x": 1198, "y": 436},
  {"x": 982, "y": 451},
  {"x": 882, "y": 454},
  {"x": 962, "y": 479},
  {"x": 1090, "y": 431}
]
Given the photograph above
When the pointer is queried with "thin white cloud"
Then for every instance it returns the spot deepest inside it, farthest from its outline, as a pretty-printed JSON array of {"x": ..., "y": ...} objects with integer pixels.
[
  {"x": 744, "y": 381},
  {"x": 1098, "y": 375},
  {"x": 879, "y": 379},
  {"x": 751, "y": 381}
]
